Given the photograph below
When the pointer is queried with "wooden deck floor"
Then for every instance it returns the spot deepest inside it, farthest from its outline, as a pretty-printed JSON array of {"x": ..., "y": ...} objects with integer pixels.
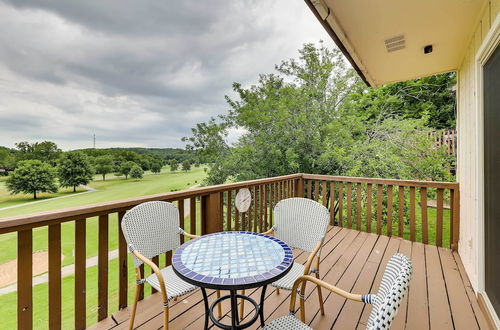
[{"x": 440, "y": 295}]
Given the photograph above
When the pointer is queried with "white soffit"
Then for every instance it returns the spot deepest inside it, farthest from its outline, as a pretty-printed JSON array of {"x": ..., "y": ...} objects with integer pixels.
[{"x": 386, "y": 38}]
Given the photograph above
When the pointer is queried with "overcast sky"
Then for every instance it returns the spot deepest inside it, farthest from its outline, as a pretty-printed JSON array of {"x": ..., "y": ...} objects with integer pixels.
[{"x": 135, "y": 73}]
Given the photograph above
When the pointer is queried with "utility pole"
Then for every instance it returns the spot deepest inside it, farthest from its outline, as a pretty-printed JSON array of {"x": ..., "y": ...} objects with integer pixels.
[{"x": 94, "y": 141}]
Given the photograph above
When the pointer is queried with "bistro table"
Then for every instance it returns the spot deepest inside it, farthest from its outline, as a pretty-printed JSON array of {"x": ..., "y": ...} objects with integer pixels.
[{"x": 232, "y": 261}]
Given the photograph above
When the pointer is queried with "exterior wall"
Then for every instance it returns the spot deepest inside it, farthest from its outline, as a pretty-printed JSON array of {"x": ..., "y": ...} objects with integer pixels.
[{"x": 468, "y": 171}]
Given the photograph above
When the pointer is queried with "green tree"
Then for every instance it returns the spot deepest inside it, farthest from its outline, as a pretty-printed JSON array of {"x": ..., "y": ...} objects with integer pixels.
[
  {"x": 314, "y": 116},
  {"x": 145, "y": 164},
  {"x": 46, "y": 151},
  {"x": 156, "y": 167},
  {"x": 75, "y": 169},
  {"x": 103, "y": 165},
  {"x": 7, "y": 158},
  {"x": 174, "y": 165},
  {"x": 136, "y": 172},
  {"x": 186, "y": 165},
  {"x": 30, "y": 177},
  {"x": 125, "y": 168},
  {"x": 431, "y": 98}
]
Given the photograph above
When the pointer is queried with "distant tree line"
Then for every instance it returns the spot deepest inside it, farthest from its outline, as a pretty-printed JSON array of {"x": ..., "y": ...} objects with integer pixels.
[{"x": 43, "y": 167}]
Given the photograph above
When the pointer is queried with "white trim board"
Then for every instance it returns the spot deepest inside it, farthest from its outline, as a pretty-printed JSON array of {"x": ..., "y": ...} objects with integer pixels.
[{"x": 490, "y": 43}]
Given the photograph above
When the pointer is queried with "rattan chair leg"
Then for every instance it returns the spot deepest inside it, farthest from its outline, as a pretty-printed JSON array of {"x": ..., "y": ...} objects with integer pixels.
[
  {"x": 277, "y": 291},
  {"x": 320, "y": 297},
  {"x": 165, "y": 317},
  {"x": 138, "y": 288}
]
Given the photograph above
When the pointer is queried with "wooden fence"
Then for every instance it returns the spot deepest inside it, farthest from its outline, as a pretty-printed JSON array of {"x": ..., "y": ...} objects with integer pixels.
[{"x": 447, "y": 138}]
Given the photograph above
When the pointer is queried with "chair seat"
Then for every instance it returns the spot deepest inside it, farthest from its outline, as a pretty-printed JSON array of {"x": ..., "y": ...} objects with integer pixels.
[
  {"x": 286, "y": 282},
  {"x": 174, "y": 284},
  {"x": 289, "y": 322}
]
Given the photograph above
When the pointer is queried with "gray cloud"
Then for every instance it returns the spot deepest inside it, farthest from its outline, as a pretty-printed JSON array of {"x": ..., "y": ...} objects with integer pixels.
[{"x": 137, "y": 73}]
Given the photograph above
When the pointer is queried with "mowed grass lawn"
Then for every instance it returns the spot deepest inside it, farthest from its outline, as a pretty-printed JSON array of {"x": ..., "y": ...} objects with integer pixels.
[{"x": 109, "y": 190}]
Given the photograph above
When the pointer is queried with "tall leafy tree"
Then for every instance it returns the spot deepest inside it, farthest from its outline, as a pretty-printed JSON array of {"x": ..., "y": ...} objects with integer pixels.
[
  {"x": 186, "y": 165},
  {"x": 103, "y": 165},
  {"x": 32, "y": 176},
  {"x": 75, "y": 169},
  {"x": 174, "y": 165},
  {"x": 125, "y": 168},
  {"x": 156, "y": 167},
  {"x": 136, "y": 172},
  {"x": 313, "y": 115},
  {"x": 46, "y": 151}
]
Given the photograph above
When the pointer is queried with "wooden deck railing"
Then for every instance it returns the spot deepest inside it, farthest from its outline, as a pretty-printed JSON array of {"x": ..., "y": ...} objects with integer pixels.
[{"x": 387, "y": 207}]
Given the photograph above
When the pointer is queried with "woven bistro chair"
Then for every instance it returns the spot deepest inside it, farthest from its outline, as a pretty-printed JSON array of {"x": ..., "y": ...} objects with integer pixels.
[
  {"x": 385, "y": 303},
  {"x": 150, "y": 229},
  {"x": 302, "y": 224}
]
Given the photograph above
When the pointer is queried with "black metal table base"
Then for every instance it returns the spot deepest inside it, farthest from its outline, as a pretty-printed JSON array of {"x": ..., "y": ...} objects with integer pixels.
[{"x": 235, "y": 321}]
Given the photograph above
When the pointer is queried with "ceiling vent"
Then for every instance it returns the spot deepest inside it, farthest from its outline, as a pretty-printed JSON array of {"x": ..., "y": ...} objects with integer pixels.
[{"x": 395, "y": 43}]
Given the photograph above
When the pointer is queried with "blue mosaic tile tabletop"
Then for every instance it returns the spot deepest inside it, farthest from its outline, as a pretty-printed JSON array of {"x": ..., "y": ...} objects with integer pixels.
[{"x": 234, "y": 258}]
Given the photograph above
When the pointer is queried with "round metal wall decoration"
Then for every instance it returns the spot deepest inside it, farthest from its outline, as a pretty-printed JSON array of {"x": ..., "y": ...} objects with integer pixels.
[{"x": 243, "y": 200}]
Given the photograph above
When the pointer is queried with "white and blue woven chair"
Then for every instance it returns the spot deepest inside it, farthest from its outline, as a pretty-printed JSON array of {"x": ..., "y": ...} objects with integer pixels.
[
  {"x": 385, "y": 302},
  {"x": 151, "y": 229},
  {"x": 302, "y": 224}
]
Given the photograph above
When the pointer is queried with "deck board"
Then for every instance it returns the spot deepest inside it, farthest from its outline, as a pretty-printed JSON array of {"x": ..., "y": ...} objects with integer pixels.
[{"x": 440, "y": 295}]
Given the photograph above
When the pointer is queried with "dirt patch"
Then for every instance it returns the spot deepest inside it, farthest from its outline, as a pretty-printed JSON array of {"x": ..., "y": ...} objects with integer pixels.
[{"x": 8, "y": 270}]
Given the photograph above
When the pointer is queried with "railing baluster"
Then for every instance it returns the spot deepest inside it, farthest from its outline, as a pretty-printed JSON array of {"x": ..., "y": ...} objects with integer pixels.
[
  {"x": 454, "y": 220},
  {"x": 236, "y": 219},
  {"x": 309, "y": 189},
  {"x": 123, "y": 265},
  {"x": 358, "y": 206},
  {"x": 412, "y": 214},
  {"x": 102, "y": 261},
  {"x": 266, "y": 196},
  {"x": 80, "y": 274},
  {"x": 401, "y": 210},
  {"x": 55, "y": 276},
  {"x": 182, "y": 216},
  {"x": 341, "y": 204},
  {"x": 24, "y": 275},
  {"x": 192, "y": 215},
  {"x": 156, "y": 261},
  {"x": 324, "y": 194},
  {"x": 271, "y": 204},
  {"x": 332, "y": 203},
  {"x": 379, "y": 209},
  {"x": 439, "y": 218},
  {"x": 389, "y": 210},
  {"x": 299, "y": 187},
  {"x": 168, "y": 258},
  {"x": 423, "y": 208},
  {"x": 261, "y": 208},
  {"x": 369, "y": 208},
  {"x": 255, "y": 208},
  {"x": 229, "y": 210},
  {"x": 141, "y": 294},
  {"x": 349, "y": 205},
  {"x": 316, "y": 190}
]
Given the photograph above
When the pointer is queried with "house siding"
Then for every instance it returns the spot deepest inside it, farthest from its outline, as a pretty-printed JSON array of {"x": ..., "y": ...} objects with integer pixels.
[{"x": 468, "y": 139}]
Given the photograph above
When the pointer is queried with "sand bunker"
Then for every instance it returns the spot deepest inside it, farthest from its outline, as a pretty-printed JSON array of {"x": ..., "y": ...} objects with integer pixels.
[{"x": 8, "y": 270}]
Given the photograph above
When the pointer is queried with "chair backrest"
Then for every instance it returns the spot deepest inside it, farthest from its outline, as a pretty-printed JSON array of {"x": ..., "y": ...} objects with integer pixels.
[
  {"x": 391, "y": 292},
  {"x": 152, "y": 228},
  {"x": 300, "y": 222}
]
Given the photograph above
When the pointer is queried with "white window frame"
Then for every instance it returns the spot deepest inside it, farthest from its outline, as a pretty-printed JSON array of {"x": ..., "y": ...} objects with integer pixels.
[{"x": 490, "y": 43}]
